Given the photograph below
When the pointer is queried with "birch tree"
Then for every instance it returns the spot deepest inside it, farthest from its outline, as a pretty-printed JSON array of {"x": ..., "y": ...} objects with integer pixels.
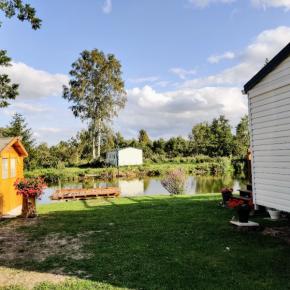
[{"x": 96, "y": 91}]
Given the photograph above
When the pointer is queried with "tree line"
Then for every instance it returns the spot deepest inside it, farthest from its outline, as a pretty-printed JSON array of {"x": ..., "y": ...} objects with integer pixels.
[{"x": 213, "y": 139}]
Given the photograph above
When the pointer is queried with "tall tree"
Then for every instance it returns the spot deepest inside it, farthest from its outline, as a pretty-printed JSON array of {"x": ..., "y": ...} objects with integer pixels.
[
  {"x": 221, "y": 137},
  {"x": 24, "y": 12},
  {"x": 119, "y": 140},
  {"x": 200, "y": 139},
  {"x": 242, "y": 138},
  {"x": 96, "y": 90},
  {"x": 19, "y": 127},
  {"x": 143, "y": 137}
]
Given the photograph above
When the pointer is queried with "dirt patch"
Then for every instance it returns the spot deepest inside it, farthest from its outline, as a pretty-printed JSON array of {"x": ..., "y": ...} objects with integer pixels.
[
  {"x": 27, "y": 279},
  {"x": 15, "y": 244},
  {"x": 278, "y": 232}
]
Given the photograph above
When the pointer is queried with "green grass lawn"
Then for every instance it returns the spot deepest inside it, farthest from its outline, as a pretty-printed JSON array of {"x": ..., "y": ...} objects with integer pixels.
[{"x": 143, "y": 243}]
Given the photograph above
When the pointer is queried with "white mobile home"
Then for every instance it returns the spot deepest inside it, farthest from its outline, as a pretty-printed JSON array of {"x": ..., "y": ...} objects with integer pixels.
[
  {"x": 125, "y": 156},
  {"x": 269, "y": 113}
]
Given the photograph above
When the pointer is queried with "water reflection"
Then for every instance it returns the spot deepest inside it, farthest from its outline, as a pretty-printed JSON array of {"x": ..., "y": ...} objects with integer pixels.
[{"x": 152, "y": 186}]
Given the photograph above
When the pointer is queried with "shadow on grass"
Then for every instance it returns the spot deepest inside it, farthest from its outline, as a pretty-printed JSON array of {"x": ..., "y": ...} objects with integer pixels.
[{"x": 166, "y": 243}]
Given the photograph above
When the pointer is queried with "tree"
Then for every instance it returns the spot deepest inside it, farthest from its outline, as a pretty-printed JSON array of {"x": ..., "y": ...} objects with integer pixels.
[
  {"x": 24, "y": 12},
  {"x": 119, "y": 140},
  {"x": 222, "y": 140},
  {"x": 96, "y": 90},
  {"x": 19, "y": 127},
  {"x": 143, "y": 138},
  {"x": 158, "y": 146},
  {"x": 8, "y": 90},
  {"x": 242, "y": 138},
  {"x": 176, "y": 146},
  {"x": 200, "y": 138}
]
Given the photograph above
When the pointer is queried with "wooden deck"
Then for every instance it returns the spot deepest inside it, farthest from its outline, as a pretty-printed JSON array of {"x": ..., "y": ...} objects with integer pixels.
[{"x": 80, "y": 193}]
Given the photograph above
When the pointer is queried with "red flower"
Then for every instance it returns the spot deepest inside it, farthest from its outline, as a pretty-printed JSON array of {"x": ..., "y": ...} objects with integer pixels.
[{"x": 30, "y": 187}]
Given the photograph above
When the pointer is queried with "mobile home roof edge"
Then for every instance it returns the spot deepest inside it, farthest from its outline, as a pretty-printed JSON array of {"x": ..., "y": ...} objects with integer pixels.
[{"x": 269, "y": 67}]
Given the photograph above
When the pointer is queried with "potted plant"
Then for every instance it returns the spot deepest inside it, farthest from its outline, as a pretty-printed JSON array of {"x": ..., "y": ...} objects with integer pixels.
[
  {"x": 30, "y": 189},
  {"x": 243, "y": 209},
  {"x": 227, "y": 194},
  {"x": 274, "y": 213}
]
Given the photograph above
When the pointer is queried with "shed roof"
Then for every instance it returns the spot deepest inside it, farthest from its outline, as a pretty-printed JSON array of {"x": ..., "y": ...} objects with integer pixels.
[
  {"x": 125, "y": 148},
  {"x": 15, "y": 142},
  {"x": 269, "y": 67}
]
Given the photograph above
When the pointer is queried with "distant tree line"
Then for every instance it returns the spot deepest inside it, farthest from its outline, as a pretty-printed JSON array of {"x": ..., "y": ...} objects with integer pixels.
[{"x": 214, "y": 139}]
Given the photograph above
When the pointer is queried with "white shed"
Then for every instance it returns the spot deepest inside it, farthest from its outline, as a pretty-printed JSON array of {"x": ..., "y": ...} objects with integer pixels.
[
  {"x": 125, "y": 156},
  {"x": 269, "y": 114}
]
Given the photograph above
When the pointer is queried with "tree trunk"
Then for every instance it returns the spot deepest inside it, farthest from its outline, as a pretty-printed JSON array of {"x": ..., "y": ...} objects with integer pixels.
[
  {"x": 99, "y": 138},
  {"x": 96, "y": 138},
  {"x": 94, "y": 146},
  {"x": 28, "y": 207}
]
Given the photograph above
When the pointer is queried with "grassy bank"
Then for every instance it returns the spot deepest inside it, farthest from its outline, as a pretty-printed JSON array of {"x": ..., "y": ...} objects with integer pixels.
[
  {"x": 140, "y": 243},
  {"x": 197, "y": 166}
]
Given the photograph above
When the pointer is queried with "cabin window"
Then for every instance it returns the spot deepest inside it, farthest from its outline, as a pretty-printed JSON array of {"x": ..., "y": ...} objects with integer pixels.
[
  {"x": 12, "y": 167},
  {"x": 4, "y": 168}
]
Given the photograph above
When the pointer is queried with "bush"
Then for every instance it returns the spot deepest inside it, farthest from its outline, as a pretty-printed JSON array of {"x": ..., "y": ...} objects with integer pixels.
[{"x": 174, "y": 181}]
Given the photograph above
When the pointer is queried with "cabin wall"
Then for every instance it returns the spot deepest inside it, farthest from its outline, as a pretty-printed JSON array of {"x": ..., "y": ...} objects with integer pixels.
[
  {"x": 269, "y": 113},
  {"x": 130, "y": 156},
  {"x": 112, "y": 158},
  {"x": 9, "y": 199}
]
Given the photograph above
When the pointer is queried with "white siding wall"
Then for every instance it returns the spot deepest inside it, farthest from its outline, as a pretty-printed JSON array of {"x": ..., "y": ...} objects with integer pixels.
[
  {"x": 126, "y": 156},
  {"x": 130, "y": 156},
  {"x": 269, "y": 112}
]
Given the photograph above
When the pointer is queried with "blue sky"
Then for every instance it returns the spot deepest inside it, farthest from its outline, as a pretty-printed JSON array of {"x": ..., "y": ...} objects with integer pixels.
[{"x": 184, "y": 61}]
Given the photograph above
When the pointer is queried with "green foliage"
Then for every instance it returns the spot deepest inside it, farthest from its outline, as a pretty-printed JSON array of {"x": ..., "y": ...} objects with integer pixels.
[
  {"x": 222, "y": 137},
  {"x": 242, "y": 138},
  {"x": 143, "y": 138},
  {"x": 19, "y": 128},
  {"x": 215, "y": 139},
  {"x": 8, "y": 90},
  {"x": 24, "y": 12},
  {"x": 201, "y": 139}
]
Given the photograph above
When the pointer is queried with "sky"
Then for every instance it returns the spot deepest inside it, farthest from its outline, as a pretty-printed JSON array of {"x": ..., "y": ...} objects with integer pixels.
[{"x": 183, "y": 61}]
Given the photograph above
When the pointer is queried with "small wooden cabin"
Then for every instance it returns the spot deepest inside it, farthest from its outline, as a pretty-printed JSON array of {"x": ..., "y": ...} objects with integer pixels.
[
  {"x": 269, "y": 114},
  {"x": 125, "y": 157},
  {"x": 12, "y": 153}
]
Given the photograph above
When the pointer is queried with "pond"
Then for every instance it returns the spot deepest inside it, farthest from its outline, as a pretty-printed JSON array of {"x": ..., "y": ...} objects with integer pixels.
[{"x": 151, "y": 186}]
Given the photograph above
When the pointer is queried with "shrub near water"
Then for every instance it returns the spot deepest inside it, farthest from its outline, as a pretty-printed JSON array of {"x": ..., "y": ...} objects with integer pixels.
[{"x": 174, "y": 181}]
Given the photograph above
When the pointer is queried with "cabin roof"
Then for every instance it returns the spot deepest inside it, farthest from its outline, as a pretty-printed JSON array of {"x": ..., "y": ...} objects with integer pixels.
[
  {"x": 121, "y": 149},
  {"x": 269, "y": 67},
  {"x": 15, "y": 142}
]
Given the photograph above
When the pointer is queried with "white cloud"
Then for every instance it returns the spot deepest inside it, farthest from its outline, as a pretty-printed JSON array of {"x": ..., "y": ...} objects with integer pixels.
[
  {"x": 49, "y": 130},
  {"x": 264, "y": 4},
  {"x": 141, "y": 80},
  {"x": 175, "y": 112},
  {"x": 266, "y": 45},
  {"x": 29, "y": 107},
  {"x": 205, "y": 3},
  {"x": 182, "y": 73},
  {"x": 108, "y": 6},
  {"x": 35, "y": 83},
  {"x": 218, "y": 58}
]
